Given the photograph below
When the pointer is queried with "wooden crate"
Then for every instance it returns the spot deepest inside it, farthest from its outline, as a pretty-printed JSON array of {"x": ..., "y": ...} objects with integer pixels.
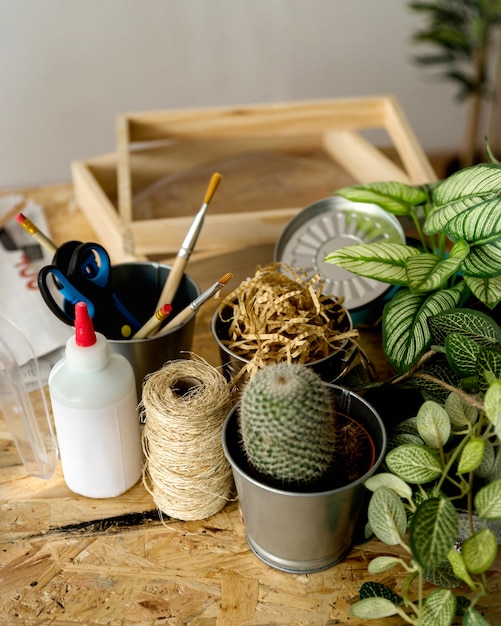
[{"x": 275, "y": 159}]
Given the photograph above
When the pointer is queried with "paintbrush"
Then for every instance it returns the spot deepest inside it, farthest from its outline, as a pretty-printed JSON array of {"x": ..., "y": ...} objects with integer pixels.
[
  {"x": 185, "y": 313},
  {"x": 179, "y": 265}
]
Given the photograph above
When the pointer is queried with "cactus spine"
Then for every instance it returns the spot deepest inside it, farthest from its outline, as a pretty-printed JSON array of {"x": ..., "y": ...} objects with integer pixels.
[{"x": 287, "y": 423}]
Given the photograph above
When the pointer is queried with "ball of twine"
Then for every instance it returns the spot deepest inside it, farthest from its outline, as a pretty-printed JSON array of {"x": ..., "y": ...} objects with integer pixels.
[{"x": 184, "y": 405}]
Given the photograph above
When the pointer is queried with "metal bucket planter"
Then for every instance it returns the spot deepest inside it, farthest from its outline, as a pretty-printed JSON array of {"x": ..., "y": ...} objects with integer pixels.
[
  {"x": 330, "y": 368},
  {"x": 307, "y": 531}
]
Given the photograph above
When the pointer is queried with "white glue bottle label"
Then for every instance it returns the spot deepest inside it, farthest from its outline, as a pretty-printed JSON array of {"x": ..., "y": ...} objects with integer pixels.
[{"x": 94, "y": 402}]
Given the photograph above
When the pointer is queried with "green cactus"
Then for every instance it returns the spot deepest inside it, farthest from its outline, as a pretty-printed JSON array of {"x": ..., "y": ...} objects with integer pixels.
[{"x": 287, "y": 424}]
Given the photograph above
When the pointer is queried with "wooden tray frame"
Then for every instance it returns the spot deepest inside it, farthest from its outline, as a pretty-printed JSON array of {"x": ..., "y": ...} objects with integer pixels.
[{"x": 103, "y": 185}]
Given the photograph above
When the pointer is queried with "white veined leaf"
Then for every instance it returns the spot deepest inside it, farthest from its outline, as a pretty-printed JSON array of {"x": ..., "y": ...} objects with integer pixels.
[
  {"x": 380, "y": 261},
  {"x": 461, "y": 352},
  {"x": 483, "y": 261},
  {"x": 373, "y": 608},
  {"x": 487, "y": 290},
  {"x": 479, "y": 224},
  {"x": 492, "y": 401},
  {"x": 395, "y": 197},
  {"x": 488, "y": 501},
  {"x": 471, "y": 455},
  {"x": 432, "y": 530},
  {"x": 459, "y": 411},
  {"x": 414, "y": 464},
  {"x": 383, "y": 564},
  {"x": 439, "y": 608},
  {"x": 474, "y": 324},
  {"x": 406, "y": 334},
  {"x": 479, "y": 551},
  {"x": 427, "y": 272},
  {"x": 433, "y": 424},
  {"x": 459, "y": 192},
  {"x": 487, "y": 467},
  {"x": 385, "y": 479},
  {"x": 473, "y": 618},
  {"x": 387, "y": 516}
]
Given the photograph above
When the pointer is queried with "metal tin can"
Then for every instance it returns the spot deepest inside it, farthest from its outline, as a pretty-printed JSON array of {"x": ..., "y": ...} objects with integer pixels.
[{"x": 328, "y": 225}]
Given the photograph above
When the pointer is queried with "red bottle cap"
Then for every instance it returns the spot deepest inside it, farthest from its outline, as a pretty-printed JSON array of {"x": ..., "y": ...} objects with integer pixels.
[{"x": 84, "y": 330}]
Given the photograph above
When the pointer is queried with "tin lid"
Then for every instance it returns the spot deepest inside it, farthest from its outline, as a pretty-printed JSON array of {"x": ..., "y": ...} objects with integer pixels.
[{"x": 330, "y": 224}]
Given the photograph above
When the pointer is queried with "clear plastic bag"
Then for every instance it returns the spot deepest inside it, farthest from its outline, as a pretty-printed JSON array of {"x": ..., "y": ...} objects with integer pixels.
[{"x": 24, "y": 403}]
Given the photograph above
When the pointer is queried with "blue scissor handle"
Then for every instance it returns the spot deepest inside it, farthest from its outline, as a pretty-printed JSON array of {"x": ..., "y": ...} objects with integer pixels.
[
  {"x": 90, "y": 262},
  {"x": 69, "y": 292}
]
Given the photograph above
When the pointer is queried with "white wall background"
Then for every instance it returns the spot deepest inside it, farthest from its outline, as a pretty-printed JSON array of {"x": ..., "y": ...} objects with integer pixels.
[{"x": 67, "y": 67}]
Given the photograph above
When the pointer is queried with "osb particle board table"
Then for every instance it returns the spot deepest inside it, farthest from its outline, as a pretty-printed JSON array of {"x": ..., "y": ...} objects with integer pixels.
[{"x": 68, "y": 560}]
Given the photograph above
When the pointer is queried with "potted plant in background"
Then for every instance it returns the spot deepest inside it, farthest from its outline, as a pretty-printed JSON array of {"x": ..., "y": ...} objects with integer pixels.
[
  {"x": 461, "y": 39},
  {"x": 300, "y": 450}
]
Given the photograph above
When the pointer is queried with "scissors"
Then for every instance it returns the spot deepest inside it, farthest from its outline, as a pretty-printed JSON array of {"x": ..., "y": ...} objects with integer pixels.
[{"x": 81, "y": 272}]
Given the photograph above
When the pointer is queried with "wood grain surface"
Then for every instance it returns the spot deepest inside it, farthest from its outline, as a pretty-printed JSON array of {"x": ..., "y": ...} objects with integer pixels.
[{"x": 66, "y": 559}]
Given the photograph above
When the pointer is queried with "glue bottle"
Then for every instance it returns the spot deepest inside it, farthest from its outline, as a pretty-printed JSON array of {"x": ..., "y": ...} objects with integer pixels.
[{"x": 94, "y": 402}]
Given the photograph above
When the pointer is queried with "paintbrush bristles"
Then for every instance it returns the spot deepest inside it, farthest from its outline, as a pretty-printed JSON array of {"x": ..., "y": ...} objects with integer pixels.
[{"x": 224, "y": 279}]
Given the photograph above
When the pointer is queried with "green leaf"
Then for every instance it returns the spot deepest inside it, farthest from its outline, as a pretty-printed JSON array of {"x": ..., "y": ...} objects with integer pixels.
[
  {"x": 372, "y": 589},
  {"x": 437, "y": 368},
  {"x": 479, "y": 551},
  {"x": 405, "y": 330},
  {"x": 433, "y": 424},
  {"x": 459, "y": 411},
  {"x": 428, "y": 272},
  {"x": 385, "y": 479},
  {"x": 439, "y": 608},
  {"x": 383, "y": 564},
  {"x": 487, "y": 290},
  {"x": 488, "y": 501},
  {"x": 492, "y": 401},
  {"x": 432, "y": 531},
  {"x": 487, "y": 467},
  {"x": 394, "y": 197},
  {"x": 488, "y": 365},
  {"x": 442, "y": 576},
  {"x": 471, "y": 455},
  {"x": 459, "y": 192},
  {"x": 478, "y": 225},
  {"x": 462, "y": 352},
  {"x": 385, "y": 262},
  {"x": 373, "y": 608},
  {"x": 474, "y": 324},
  {"x": 473, "y": 618},
  {"x": 456, "y": 560},
  {"x": 387, "y": 516},
  {"x": 484, "y": 261},
  {"x": 415, "y": 464}
]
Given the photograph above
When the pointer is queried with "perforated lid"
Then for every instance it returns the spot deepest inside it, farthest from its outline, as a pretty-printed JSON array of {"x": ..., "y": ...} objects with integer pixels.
[{"x": 330, "y": 224}]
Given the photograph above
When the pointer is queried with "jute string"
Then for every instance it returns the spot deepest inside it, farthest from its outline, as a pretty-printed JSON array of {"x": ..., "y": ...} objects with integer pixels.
[{"x": 184, "y": 405}]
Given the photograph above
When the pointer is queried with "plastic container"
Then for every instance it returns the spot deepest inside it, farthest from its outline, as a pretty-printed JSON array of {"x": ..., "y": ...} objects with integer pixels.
[
  {"x": 24, "y": 404},
  {"x": 93, "y": 395}
]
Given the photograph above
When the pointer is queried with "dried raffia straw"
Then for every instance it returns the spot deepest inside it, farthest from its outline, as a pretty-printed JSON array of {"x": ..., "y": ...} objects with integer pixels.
[
  {"x": 184, "y": 405},
  {"x": 280, "y": 315}
]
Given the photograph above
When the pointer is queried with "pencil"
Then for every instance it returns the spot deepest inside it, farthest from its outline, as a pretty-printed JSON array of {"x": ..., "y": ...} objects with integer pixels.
[
  {"x": 179, "y": 265},
  {"x": 154, "y": 322},
  {"x": 8, "y": 215},
  {"x": 42, "y": 239},
  {"x": 183, "y": 315}
]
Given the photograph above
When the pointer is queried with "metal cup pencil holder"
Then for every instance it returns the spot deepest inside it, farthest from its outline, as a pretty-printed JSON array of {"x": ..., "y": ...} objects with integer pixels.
[{"x": 139, "y": 285}]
